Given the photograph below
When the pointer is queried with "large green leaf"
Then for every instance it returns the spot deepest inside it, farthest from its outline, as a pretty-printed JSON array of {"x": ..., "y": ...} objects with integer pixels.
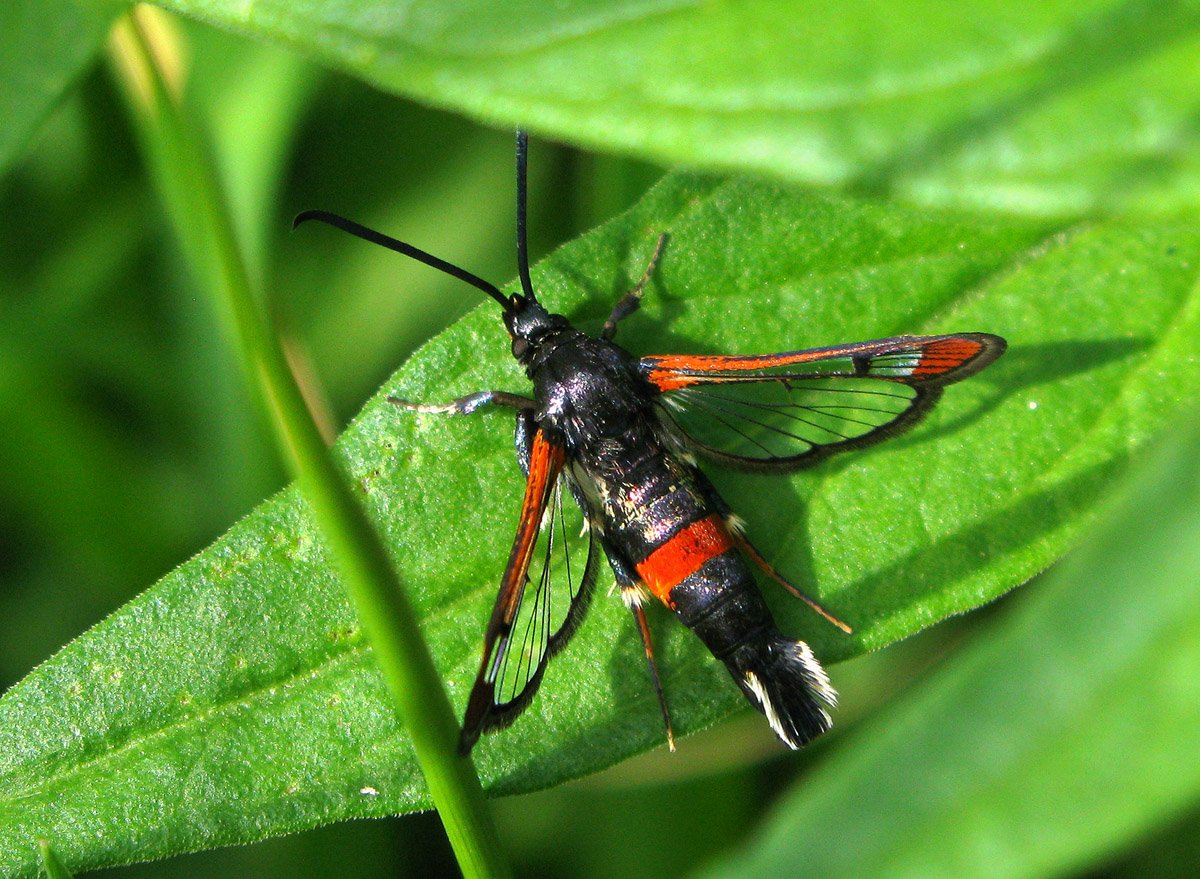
[
  {"x": 1024, "y": 105},
  {"x": 44, "y": 46},
  {"x": 236, "y": 698},
  {"x": 1065, "y": 731}
]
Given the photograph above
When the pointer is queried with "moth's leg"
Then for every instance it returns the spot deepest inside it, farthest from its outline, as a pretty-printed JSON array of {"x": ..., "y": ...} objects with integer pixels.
[
  {"x": 523, "y": 438},
  {"x": 633, "y": 593},
  {"x": 737, "y": 530},
  {"x": 468, "y": 404},
  {"x": 755, "y": 556},
  {"x": 526, "y": 426},
  {"x": 629, "y": 303}
]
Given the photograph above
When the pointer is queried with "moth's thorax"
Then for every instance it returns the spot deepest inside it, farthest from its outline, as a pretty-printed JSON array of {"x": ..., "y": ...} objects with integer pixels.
[{"x": 588, "y": 390}]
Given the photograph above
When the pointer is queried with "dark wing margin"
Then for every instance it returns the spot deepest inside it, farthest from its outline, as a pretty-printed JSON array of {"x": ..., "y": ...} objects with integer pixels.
[
  {"x": 784, "y": 411},
  {"x": 543, "y": 595}
]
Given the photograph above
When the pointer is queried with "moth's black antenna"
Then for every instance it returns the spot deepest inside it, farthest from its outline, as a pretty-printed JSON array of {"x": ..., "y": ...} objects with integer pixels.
[
  {"x": 522, "y": 244},
  {"x": 407, "y": 249}
]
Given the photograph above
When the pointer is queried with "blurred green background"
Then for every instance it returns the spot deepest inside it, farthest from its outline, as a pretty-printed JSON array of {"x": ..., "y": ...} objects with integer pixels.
[{"x": 130, "y": 441}]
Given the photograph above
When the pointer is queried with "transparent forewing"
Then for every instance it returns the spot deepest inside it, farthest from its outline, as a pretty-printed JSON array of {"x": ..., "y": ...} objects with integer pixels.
[
  {"x": 544, "y": 592},
  {"x": 782, "y": 420},
  {"x": 558, "y": 584},
  {"x": 785, "y": 410}
]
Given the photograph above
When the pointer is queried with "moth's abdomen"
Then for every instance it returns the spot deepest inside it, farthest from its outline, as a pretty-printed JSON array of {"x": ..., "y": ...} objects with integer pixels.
[
  {"x": 779, "y": 676},
  {"x": 664, "y": 523},
  {"x": 684, "y": 553}
]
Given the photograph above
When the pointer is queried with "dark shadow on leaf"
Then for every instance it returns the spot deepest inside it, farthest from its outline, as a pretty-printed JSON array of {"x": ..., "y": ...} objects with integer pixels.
[
  {"x": 1020, "y": 369},
  {"x": 1026, "y": 367},
  {"x": 910, "y": 587}
]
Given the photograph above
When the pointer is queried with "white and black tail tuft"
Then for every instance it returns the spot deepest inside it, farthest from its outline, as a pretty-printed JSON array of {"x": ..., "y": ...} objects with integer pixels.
[{"x": 785, "y": 682}]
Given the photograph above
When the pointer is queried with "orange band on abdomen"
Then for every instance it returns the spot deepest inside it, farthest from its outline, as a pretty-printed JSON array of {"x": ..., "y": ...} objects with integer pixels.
[{"x": 682, "y": 556}]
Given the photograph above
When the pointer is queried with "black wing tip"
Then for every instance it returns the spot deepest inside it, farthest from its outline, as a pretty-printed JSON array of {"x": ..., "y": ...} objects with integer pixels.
[
  {"x": 481, "y": 716},
  {"x": 993, "y": 348}
]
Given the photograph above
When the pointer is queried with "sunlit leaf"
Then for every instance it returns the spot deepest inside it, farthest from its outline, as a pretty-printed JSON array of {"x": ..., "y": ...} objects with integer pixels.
[
  {"x": 1028, "y": 106},
  {"x": 235, "y": 699}
]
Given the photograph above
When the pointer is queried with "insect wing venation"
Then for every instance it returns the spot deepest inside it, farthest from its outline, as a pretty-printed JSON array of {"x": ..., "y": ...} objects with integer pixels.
[
  {"x": 788, "y": 410},
  {"x": 543, "y": 594}
]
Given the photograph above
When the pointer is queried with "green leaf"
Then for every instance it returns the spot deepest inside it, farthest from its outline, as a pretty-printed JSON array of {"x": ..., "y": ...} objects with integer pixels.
[
  {"x": 236, "y": 698},
  {"x": 1068, "y": 729},
  {"x": 1020, "y": 105},
  {"x": 44, "y": 47}
]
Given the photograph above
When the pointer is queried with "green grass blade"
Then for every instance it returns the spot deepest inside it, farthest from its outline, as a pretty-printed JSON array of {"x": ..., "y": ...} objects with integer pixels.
[
  {"x": 1067, "y": 730},
  {"x": 188, "y": 181},
  {"x": 52, "y": 866},
  {"x": 240, "y": 693},
  {"x": 1017, "y": 105}
]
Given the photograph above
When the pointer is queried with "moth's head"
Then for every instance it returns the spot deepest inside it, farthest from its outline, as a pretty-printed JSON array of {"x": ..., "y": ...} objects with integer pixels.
[{"x": 528, "y": 323}]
